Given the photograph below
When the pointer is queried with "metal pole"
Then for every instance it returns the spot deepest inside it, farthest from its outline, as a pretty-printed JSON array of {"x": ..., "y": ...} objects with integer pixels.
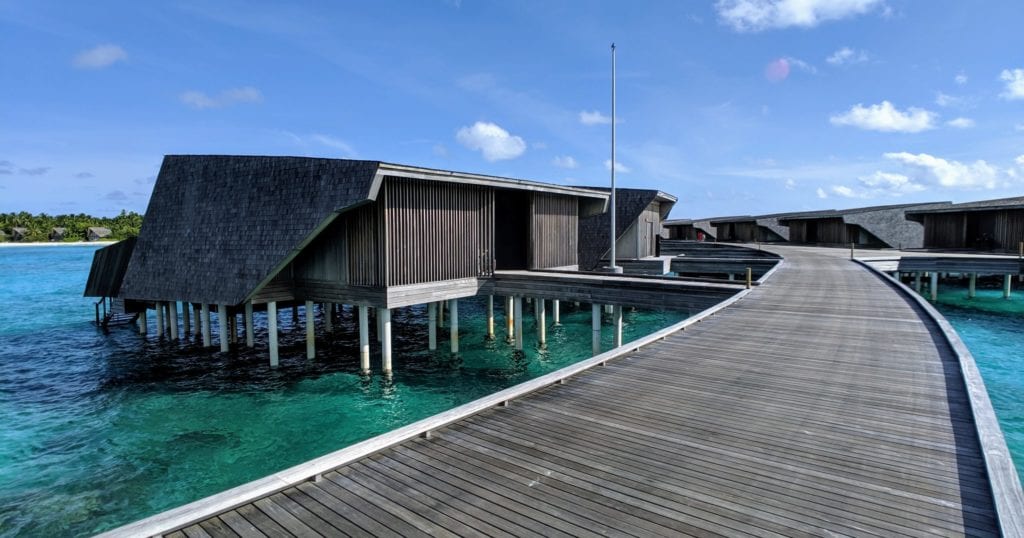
[{"x": 612, "y": 231}]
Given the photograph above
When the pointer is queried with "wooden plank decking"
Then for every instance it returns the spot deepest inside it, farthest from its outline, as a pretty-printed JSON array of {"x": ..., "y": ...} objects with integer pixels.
[{"x": 823, "y": 403}]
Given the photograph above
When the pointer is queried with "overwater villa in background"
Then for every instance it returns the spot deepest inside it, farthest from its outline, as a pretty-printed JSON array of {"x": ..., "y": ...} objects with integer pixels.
[{"x": 990, "y": 225}]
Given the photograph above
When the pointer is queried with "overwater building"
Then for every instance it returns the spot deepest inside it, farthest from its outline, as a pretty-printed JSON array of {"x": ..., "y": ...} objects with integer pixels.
[{"x": 991, "y": 225}]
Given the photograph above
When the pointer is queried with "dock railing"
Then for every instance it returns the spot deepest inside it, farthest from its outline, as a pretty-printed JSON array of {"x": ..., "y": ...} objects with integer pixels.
[
  {"x": 177, "y": 518},
  {"x": 1002, "y": 474}
]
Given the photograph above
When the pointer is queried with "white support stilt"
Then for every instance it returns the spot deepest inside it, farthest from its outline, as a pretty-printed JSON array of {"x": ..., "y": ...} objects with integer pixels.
[
  {"x": 328, "y": 318},
  {"x": 159, "y": 319},
  {"x": 250, "y": 336},
  {"x": 935, "y": 286},
  {"x": 384, "y": 315},
  {"x": 542, "y": 326},
  {"x": 310, "y": 332},
  {"x": 555, "y": 316},
  {"x": 432, "y": 326},
  {"x": 165, "y": 314},
  {"x": 517, "y": 315},
  {"x": 490, "y": 317},
  {"x": 143, "y": 323},
  {"x": 596, "y": 324},
  {"x": 617, "y": 323},
  {"x": 222, "y": 320},
  {"x": 732, "y": 277},
  {"x": 233, "y": 327},
  {"x": 510, "y": 318},
  {"x": 364, "y": 340},
  {"x": 380, "y": 327},
  {"x": 198, "y": 329},
  {"x": 608, "y": 309},
  {"x": 440, "y": 313},
  {"x": 1006, "y": 285},
  {"x": 204, "y": 314},
  {"x": 272, "y": 332},
  {"x": 917, "y": 281},
  {"x": 454, "y": 311},
  {"x": 186, "y": 321},
  {"x": 972, "y": 285},
  {"x": 173, "y": 319}
]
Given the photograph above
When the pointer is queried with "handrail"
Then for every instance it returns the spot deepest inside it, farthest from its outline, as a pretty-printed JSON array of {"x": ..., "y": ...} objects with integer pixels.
[
  {"x": 1002, "y": 475},
  {"x": 185, "y": 515}
]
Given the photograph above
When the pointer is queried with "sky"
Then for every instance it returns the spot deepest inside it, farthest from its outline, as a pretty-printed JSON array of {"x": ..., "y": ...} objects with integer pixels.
[{"x": 734, "y": 106}]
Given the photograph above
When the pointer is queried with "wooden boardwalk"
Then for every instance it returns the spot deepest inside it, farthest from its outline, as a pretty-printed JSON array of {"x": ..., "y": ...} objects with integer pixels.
[{"x": 821, "y": 404}]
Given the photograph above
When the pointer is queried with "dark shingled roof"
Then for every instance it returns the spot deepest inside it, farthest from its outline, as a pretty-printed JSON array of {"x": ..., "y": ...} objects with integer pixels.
[
  {"x": 108, "y": 267},
  {"x": 629, "y": 203},
  {"x": 1016, "y": 202},
  {"x": 217, "y": 226}
]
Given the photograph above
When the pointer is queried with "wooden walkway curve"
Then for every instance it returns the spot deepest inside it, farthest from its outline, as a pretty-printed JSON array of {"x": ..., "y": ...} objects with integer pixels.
[{"x": 821, "y": 404}]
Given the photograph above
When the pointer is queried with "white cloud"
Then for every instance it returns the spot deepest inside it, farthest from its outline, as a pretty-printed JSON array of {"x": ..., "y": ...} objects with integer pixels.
[
  {"x": 880, "y": 184},
  {"x": 886, "y": 118},
  {"x": 757, "y": 15},
  {"x": 954, "y": 174},
  {"x": 822, "y": 194},
  {"x": 961, "y": 123},
  {"x": 619, "y": 167},
  {"x": 1014, "y": 80},
  {"x": 336, "y": 143},
  {"x": 232, "y": 96},
  {"x": 1019, "y": 160},
  {"x": 495, "y": 143},
  {"x": 594, "y": 117},
  {"x": 790, "y": 184},
  {"x": 960, "y": 78},
  {"x": 801, "y": 65},
  {"x": 842, "y": 191},
  {"x": 946, "y": 100},
  {"x": 99, "y": 57},
  {"x": 846, "y": 55},
  {"x": 565, "y": 162}
]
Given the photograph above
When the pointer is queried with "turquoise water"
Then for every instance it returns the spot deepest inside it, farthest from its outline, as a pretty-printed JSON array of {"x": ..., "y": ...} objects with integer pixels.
[
  {"x": 99, "y": 430},
  {"x": 993, "y": 329}
]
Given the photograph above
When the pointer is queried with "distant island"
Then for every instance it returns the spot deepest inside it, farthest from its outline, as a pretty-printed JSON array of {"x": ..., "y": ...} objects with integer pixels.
[{"x": 25, "y": 227}]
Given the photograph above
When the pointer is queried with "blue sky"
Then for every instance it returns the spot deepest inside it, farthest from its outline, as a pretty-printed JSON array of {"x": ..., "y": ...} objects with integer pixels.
[{"x": 734, "y": 106}]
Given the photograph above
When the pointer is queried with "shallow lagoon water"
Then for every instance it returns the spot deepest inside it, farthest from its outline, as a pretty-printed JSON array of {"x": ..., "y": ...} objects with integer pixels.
[
  {"x": 97, "y": 430},
  {"x": 993, "y": 329}
]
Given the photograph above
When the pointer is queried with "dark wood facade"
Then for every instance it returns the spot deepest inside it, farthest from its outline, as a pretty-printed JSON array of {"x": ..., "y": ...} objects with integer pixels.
[
  {"x": 830, "y": 231},
  {"x": 746, "y": 232},
  {"x": 981, "y": 230},
  {"x": 426, "y": 233}
]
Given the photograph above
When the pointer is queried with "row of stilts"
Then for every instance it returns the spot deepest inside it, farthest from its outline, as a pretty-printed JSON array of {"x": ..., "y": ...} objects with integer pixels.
[
  {"x": 972, "y": 283},
  {"x": 168, "y": 319}
]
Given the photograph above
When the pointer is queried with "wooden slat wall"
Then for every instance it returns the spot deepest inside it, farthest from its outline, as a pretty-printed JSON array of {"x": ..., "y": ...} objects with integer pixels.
[
  {"x": 646, "y": 232},
  {"x": 944, "y": 230},
  {"x": 798, "y": 231},
  {"x": 327, "y": 257},
  {"x": 1006, "y": 228},
  {"x": 365, "y": 237},
  {"x": 554, "y": 227},
  {"x": 831, "y": 231},
  {"x": 438, "y": 231}
]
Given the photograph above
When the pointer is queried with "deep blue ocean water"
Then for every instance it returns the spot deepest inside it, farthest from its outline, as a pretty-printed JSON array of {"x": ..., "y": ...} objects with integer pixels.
[{"x": 98, "y": 430}]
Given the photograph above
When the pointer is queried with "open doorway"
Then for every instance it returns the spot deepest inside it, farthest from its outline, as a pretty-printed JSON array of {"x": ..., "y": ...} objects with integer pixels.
[{"x": 511, "y": 230}]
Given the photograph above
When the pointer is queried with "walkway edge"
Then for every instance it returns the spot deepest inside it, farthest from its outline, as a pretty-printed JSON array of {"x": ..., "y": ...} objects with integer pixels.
[
  {"x": 1002, "y": 474},
  {"x": 178, "y": 518}
]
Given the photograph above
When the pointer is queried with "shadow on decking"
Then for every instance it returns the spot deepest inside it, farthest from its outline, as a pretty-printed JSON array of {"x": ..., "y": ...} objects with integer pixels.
[{"x": 978, "y": 507}]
